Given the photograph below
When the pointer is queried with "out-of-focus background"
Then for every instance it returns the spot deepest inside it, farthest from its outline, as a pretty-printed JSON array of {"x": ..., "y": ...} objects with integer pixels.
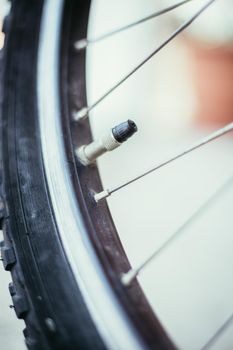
[{"x": 179, "y": 96}]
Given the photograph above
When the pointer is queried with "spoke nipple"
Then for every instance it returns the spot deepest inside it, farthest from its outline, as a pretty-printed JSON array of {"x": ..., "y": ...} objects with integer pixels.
[
  {"x": 101, "y": 195},
  {"x": 87, "y": 154},
  {"x": 81, "y": 44},
  {"x": 81, "y": 114},
  {"x": 128, "y": 277}
]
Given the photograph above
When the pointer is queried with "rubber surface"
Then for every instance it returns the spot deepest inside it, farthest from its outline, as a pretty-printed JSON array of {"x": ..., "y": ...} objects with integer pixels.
[{"x": 44, "y": 291}]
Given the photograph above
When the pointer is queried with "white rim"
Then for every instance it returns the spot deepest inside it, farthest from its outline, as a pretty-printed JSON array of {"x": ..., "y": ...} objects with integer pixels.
[{"x": 107, "y": 313}]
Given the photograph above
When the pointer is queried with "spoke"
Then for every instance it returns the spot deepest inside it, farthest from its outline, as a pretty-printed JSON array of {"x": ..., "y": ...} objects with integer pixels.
[
  {"x": 217, "y": 134},
  {"x": 129, "y": 276},
  {"x": 85, "y": 110},
  {"x": 218, "y": 334},
  {"x": 83, "y": 43}
]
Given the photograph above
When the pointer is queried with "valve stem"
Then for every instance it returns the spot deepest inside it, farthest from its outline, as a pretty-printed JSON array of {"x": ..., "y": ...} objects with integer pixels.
[{"x": 87, "y": 154}]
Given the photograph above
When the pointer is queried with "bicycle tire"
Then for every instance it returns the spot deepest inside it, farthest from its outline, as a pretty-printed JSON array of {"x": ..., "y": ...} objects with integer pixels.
[
  {"x": 44, "y": 291},
  {"x": 32, "y": 249}
]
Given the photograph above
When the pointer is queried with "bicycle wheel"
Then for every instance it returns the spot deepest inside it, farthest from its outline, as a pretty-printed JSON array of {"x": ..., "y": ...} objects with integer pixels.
[
  {"x": 58, "y": 311},
  {"x": 62, "y": 248}
]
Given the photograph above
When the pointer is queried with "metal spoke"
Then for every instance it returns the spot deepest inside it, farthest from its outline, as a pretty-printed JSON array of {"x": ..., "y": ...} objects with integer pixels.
[
  {"x": 129, "y": 276},
  {"x": 85, "y": 110},
  {"x": 218, "y": 334},
  {"x": 219, "y": 133},
  {"x": 83, "y": 43}
]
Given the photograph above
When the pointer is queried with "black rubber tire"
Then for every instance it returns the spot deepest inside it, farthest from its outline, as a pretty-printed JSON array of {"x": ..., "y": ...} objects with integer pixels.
[{"x": 44, "y": 291}]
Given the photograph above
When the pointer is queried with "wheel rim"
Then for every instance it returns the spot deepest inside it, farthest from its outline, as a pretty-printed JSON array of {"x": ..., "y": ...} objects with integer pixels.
[
  {"x": 106, "y": 244},
  {"x": 78, "y": 249}
]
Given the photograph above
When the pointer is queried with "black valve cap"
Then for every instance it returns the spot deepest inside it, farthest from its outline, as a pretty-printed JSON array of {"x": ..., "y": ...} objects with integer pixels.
[{"x": 124, "y": 131}]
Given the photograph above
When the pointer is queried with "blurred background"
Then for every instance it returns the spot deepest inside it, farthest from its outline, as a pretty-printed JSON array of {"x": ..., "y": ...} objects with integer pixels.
[{"x": 182, "y": 94}]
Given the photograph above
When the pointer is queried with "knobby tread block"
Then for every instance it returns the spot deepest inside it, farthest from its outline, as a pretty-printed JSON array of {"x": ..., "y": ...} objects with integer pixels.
[
  {"x": 20, "y": 301},
  {"x": 8, "y": 257}
]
